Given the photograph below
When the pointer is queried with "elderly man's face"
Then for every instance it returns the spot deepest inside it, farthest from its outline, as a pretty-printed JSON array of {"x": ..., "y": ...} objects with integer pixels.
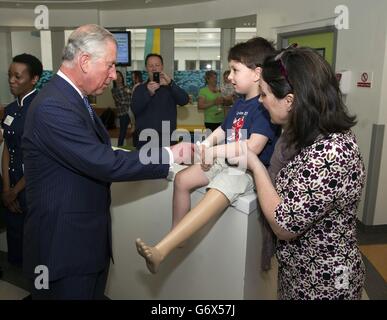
[{"x": 102, "y": 71}]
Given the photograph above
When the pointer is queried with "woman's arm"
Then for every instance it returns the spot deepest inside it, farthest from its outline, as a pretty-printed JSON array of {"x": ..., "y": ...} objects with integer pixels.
[
  {"x": 4, "y": 168},
  {"x": 9, "y": 194},
  {"x": 267, "y": 196},
  {"x": 204, "y": 104},
  {"x": 20, "y": 185}
]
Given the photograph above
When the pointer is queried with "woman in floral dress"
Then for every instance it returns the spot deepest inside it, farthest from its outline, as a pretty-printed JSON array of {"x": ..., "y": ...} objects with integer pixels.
[{"x": 312, "y": 207}]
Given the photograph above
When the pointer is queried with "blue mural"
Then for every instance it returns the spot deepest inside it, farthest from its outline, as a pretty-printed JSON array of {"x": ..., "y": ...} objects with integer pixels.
[
  {"x": 190, "y": 81},
  {"x": 46, "y": 76}
]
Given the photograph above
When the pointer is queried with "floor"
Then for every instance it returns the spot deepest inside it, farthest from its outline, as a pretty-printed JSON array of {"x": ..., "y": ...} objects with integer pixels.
[{"x": 373, "y": 246}]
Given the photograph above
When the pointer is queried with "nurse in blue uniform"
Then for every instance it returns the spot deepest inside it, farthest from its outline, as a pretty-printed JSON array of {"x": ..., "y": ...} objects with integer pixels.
[{"x": 23, "y": 74}]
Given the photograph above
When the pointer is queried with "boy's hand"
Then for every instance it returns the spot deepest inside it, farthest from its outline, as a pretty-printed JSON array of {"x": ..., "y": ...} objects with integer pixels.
[{"x": 203, "y": 156}]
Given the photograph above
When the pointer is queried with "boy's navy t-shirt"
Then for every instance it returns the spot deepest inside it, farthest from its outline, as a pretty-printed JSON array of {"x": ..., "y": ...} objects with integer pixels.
[{"x": 252, "y": 116}]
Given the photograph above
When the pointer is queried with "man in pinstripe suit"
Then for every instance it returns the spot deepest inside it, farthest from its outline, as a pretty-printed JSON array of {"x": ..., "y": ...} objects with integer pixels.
[{"x": 69, "y": 166}]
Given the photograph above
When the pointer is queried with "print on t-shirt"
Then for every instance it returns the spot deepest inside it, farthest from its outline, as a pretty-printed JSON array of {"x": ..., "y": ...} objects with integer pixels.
[{"x": 237, "y": 126}]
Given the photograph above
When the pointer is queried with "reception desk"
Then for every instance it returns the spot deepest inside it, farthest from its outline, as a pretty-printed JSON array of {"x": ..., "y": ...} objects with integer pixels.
[{"x": 221, "y": 261}]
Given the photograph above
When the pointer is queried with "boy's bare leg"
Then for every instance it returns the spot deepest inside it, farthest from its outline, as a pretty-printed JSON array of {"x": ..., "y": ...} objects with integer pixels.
[{"x": 212, "y": 205}]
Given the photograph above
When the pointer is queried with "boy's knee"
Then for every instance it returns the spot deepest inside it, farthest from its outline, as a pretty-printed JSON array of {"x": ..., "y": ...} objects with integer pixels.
[{"x": 180, "y": 180}]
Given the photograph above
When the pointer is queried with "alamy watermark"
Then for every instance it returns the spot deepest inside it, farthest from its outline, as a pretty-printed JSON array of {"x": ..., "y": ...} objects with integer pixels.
[
  {"x": 342, "y": 19},
  {"x": 42, "y": 19},
  {"x": 42, "y": 278}
]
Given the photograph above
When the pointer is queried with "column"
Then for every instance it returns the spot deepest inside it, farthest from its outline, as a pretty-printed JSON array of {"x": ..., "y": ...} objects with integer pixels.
[
  {"x": 227, "y": 40},
  {"x": 167, "y": 49},
  {"x": 46, "y": 49}
]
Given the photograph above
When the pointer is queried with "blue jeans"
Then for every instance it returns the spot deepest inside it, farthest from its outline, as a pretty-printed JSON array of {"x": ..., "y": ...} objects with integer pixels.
[{"x": 124, "y": 122}]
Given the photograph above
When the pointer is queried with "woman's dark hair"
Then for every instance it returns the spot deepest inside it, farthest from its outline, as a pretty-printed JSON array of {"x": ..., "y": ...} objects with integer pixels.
[
  {"x": 34, "y": 66},
  {"x": 208, "y": 74},
  {"x": 137, "y": 75},
  {"x": 251, "y": 53},
  {"x": 317, "y": 107},
  {"x": 123, "y": 79}
]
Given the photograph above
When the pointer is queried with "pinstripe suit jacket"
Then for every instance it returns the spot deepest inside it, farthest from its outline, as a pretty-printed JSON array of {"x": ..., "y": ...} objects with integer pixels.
[{"x": 69, "y": 166}]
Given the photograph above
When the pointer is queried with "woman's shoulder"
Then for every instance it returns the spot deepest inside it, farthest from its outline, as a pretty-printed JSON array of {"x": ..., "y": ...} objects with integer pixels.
[{"x": 334, "y": 145}]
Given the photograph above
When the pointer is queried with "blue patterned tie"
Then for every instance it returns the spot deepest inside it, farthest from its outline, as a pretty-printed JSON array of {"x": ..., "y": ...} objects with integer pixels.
[{"x": 88, "y": 106}]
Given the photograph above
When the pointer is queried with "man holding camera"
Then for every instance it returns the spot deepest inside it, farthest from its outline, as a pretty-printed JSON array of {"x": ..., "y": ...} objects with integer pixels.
[{"x": 155, "y": 101}]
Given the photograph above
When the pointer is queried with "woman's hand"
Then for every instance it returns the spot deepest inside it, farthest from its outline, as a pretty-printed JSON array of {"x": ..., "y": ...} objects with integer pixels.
[
  {"x": 9, "y": 198},
  {"x": 245, "y": 157}
]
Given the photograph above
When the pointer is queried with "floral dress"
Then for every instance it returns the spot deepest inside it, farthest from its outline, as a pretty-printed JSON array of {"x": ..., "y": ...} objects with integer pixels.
[{"x": 320, "y": 190}]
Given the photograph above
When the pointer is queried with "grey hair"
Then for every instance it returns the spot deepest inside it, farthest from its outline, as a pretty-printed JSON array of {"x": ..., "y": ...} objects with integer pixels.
[{"x": 90, "y": 38}]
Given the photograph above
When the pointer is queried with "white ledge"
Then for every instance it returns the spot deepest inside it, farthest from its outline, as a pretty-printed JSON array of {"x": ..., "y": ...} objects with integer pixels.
[{"x": 246, "y": 204}]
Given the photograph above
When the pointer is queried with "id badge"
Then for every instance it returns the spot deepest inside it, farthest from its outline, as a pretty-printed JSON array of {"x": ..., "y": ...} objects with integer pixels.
[{"x": 8, "y": 120}]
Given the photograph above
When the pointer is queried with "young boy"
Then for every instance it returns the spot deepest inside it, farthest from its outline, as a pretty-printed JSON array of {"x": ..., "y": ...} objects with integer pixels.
[{"x": 247, "y": 120}]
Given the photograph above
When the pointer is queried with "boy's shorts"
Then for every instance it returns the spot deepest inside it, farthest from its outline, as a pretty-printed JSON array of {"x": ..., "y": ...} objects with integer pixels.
[{"x": 231, "y": 181}]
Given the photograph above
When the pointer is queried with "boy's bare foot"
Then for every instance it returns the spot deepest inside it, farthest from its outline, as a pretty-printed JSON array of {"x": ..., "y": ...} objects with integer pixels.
[{"x": 151, "y": 255}]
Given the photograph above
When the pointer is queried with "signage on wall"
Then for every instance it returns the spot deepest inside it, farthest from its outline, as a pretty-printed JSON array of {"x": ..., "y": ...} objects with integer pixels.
[{"x": 364, "y": 80}]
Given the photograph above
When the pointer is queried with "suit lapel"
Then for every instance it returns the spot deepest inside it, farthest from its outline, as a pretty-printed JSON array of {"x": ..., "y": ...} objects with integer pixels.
[
  {"x": 101, "y": 130},
  {"x": 74, "y": 99}
]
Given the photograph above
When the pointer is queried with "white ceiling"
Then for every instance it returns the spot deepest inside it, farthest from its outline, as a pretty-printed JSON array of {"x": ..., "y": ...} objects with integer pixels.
[{"x": 96, "y": 4}]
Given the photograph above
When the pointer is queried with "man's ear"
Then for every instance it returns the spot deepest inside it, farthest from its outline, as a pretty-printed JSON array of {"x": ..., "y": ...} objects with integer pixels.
[
  {"x": 258, "y": 73},
  {"x": 84, "y": 62},
  {"x": 289, "y": 99}
]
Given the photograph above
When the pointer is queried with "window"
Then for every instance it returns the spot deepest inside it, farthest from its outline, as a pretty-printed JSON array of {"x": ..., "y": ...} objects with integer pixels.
[
  {"x": 195, "y": 44},
  {"x": 205, "y": 64},
  {"x": 244, "y": 34},
  {"x": 190, "y": 64},
  {"x": 138, "y": 43}
]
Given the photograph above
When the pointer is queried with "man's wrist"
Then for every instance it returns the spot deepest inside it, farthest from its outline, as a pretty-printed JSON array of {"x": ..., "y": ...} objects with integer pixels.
[{"x": 170, "y": 153}]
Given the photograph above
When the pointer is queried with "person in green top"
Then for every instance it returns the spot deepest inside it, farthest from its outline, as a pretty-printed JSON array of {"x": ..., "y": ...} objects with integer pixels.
[{"x": 211, "y": 101}]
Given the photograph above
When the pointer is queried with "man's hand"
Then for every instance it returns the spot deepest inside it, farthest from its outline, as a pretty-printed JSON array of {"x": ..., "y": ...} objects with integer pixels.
[
  {"x": 165, "y": 79},
  {"x": 152, "y": 87},
  {"x": 183, "y": 152}
]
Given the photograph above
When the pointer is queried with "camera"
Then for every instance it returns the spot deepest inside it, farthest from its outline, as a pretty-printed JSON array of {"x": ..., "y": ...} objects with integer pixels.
[{"x": 156, "y": 77}]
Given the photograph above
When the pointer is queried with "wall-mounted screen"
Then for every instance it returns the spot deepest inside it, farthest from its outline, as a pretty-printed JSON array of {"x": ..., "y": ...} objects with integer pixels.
[{"x": 124, "y": 57}]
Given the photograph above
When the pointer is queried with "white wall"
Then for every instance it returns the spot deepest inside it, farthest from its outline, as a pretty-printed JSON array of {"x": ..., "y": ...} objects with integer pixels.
[
  {"x": 5, "y": 59},
  {"x": 380, "y": 207},
  {"x": 26, "y": 42}
]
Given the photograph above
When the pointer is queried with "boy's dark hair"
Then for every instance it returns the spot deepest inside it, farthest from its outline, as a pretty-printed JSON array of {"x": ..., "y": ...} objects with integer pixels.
[
  {"x": 153, "y": 55},
  {"x": 251, "y": 53},
  {"x": 34, "y": 66}
]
